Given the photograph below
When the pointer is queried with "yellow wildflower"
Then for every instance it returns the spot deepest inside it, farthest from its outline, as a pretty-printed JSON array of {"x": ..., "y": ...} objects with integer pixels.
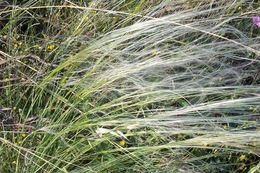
[
  {"x": 240, "y": 10},
  {"x": 5, "y": 141},
  {"x": 14, "y": 162},
  {"x": 86, "y": 18},
  {"x": 253, "y": 144},
  {"x": 205, "y": 144},
  {"x": 155, "y": 52},
  {"x": 51, "y": 47},
  {"x": 116, "y": 18},
  {"x": 19, "y": 142},
  {"x": 93, "y": 11},
  {"x": 20, "y": 44},
  {"x": 242, "y": 157},
  {"x": 15, "y": 45},
  {"x": 122, "y": 142},
  {"x": 23, "y": 135},
  {"x": 16, "y": 36}
]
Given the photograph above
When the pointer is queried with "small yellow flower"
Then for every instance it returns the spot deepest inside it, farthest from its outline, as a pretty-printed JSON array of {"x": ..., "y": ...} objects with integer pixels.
[
  {"x": 205, "y": 144},
  {"x": 122, "y": 142},
  {"x": 50, "y": 46},
  {"x": 155, "y": 52},
  {"x": 23, "y": 135},
  {"x": 5, "y": 141},
  {"x": 240, "y": 10},
  {"x": 93, "y": 11},
  {"x": 14, "y": 162},
  {"x": 15, "y": 45},
  {"x": 19, "y": 142},
  {"x": 242, "y": 157},
  {"x": 253, "y": 144},
  {"x": 16, "y": 36},
  {"x": 116, "y": 18},
  {"x": 87, "y": 18},
  {"x": 20, "y": 44}
]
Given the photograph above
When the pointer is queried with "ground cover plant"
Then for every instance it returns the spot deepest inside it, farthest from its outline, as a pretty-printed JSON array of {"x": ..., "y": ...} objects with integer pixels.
[{"x": 129, "y": 86}]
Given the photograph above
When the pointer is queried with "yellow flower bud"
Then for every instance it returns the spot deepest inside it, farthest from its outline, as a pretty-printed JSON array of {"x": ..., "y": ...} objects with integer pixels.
[
  {"x": 20, "y": 44},
  {"x": 122, "y": 142},
  {"x": 50, "y": 46},
  {"x": 242, "y": 157}
]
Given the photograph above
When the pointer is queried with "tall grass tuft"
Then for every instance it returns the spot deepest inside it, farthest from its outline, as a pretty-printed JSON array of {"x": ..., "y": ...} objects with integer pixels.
[{"x": 154, "y": 86}]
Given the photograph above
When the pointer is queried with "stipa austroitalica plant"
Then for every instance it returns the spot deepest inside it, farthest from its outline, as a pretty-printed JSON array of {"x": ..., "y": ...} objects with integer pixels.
[{"x": 182, "y": 86}]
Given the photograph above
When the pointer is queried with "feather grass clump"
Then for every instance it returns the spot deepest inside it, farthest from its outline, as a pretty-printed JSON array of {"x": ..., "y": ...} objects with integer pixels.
[{"x": 166, "y": 93}]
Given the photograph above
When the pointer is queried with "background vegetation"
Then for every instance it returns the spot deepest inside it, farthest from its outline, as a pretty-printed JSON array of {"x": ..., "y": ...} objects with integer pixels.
[{"x": 129, "y": 86}]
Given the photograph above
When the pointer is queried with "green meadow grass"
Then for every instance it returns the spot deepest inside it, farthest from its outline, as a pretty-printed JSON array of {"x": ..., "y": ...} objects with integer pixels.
[{"x": 129, "y": 86}]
